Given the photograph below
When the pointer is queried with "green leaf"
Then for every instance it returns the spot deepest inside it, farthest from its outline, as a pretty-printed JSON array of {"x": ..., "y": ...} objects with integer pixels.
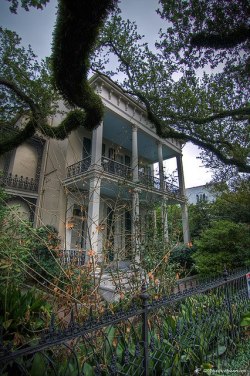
[
  {"x": 7, "y": 323},
  {"x": 88, "y": 370},
  {"x": 38, "y": 366}
]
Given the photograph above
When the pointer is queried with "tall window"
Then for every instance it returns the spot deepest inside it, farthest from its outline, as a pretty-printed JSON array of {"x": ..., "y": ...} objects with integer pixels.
[{"x": 87, "y": 143}]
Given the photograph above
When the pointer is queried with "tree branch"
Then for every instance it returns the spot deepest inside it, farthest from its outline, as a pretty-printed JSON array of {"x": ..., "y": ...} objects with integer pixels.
[{"x": 218, "y": 41}]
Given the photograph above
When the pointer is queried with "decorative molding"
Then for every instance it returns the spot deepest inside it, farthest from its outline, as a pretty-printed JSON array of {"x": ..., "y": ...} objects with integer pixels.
[{"x": 111, "y": 91}]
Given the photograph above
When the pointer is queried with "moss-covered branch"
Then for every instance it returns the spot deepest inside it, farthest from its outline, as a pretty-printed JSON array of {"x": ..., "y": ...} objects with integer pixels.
[{"x": 75, "y": 34}]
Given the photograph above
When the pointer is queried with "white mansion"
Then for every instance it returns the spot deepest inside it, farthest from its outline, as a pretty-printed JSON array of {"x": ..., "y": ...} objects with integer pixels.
[{"x": 98, "y": 189}]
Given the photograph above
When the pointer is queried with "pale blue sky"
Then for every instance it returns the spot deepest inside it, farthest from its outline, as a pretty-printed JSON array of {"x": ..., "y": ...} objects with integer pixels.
[{"x": 35, "y": 28}]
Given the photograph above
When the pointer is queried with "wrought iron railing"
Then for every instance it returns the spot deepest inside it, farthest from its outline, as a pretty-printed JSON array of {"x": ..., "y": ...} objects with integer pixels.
[
  {"x": 72, "y": 256},
  {"x": 19, "y": 182},
  {"x": 181, "y": 334},
  {"x": 79, "y": 167},
  {"x": 155, "y": 183},
  {"x": 119, "y": 169},
  {"x": 116, "y": 168}
]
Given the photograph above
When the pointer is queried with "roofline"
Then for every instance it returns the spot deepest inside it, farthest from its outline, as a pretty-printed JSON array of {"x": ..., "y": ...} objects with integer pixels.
[{"x": 117, "y": 87}]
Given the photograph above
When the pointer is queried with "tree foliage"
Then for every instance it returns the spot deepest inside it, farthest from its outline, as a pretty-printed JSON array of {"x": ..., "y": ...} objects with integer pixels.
[
  {"x": 75, "y": 34},
  {"x": 211, "y": 110},
  {"x": 27, "y": 96},
  {"x": 224, "y": 244}
]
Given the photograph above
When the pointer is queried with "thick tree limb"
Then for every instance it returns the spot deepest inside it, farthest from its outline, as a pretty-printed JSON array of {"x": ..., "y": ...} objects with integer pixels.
[{"x": 216, "y": 41}]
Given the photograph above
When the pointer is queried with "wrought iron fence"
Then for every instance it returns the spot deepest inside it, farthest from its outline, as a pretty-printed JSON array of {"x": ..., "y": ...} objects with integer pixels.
[{"x": 180, "y": 334}]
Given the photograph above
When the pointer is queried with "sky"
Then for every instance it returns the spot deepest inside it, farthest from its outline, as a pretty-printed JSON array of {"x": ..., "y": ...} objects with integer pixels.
[{"x": 36, "y": 26}]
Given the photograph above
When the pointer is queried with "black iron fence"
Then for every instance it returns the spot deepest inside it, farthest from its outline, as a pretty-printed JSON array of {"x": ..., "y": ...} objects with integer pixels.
[{"x": 185, "y": 333}]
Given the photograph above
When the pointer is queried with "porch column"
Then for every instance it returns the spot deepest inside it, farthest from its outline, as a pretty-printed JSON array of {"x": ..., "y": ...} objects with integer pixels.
[
  {"x": 185, "y": 223},
  {"x": 96, "y": 150},
  {"x": 184, "y": 210},
  {"x": 93, "y": 217},
  {"x": 160, "y": 165},
  {"x": 164, "y": 213},
  {"x": 68, "y": 219},
  {"x": 135, "y": 154},
  {"x": 135, "y": 225}
]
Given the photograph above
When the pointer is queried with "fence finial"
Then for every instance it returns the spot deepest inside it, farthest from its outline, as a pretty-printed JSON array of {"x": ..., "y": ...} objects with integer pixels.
[{"x": 225, "y": 274}]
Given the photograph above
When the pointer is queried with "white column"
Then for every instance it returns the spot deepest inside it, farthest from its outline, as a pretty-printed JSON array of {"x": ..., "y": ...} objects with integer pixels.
[
  {"x": 135, "y": 154},
  {"x": 135, "y": 225},
  {"x": 96, "y": 150},
  {"x": 164, "y": 213},
  {"x": 180, "y": 174},
  {"x": 185, "y": 223},
  {"x": 160, "y": 164},
  {"x": 68, "y": 217},
  {"x": 184, "y": 210},
  {"x": 93, "y": 217}
]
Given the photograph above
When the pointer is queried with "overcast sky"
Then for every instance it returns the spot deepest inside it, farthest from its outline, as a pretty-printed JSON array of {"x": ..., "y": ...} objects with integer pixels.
[{"x": 35, "y": 28}]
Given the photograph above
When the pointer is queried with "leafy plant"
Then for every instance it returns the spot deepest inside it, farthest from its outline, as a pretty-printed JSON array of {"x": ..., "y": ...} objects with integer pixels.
[
  {"x": 22, "y": 313},
  {"x": 223, "y": 244}
]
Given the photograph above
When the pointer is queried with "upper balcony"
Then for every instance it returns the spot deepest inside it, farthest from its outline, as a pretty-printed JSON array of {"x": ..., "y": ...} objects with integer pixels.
[
  {"x": 119, "y": 170},
  {"x": 18, "y": 182}
]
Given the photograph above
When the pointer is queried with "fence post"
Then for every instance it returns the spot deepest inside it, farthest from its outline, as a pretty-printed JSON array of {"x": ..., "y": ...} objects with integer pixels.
[
  {"x": 144, "y": 297},
  {"x": 225, "y": 275}
]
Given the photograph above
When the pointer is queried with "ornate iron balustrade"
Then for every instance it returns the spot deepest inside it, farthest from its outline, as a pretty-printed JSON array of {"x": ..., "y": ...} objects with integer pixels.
[
  {"x": 74, "y": 256},
  {"x": 155, "y": 183},
  {"x": 19, "y": 182},
  {"x": 177, "y": 333},
  {"x": 116, "y": 168},
  {"x": 79, "y": 167},
  {"x": 119, "y": 169}
]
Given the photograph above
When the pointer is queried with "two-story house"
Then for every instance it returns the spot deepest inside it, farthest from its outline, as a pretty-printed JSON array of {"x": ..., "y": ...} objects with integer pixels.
[{"x": 98, "y": 189}]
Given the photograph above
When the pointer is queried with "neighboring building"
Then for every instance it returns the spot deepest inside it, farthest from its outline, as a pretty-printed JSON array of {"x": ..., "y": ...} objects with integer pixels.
[
  {"x": 201, "y": 193},
  {"x": 98, "y": 188}
]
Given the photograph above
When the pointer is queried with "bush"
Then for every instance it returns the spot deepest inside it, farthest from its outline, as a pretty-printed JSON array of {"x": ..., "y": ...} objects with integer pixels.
[
  {"x": 43, "y": 258},
  {"x": 182, "y": 255},
  {"x": 224, "y": 244}
]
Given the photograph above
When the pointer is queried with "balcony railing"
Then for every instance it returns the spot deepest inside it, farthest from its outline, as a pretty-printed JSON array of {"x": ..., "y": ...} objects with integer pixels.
[
  {"x": 119, "y": 169},
  {"x": 74, "y": 256},
  {"x": 19, "y": 182},
  {"x": 79, "y": 167},
  {"x": 155, "y": 183},
  {"x": 116, "y": 168}
]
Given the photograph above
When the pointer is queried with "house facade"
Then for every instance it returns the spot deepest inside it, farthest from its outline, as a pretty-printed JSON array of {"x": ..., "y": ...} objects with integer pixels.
[
  {"x": 200, "y": 193},
  {"x": 99, "y": 189}
]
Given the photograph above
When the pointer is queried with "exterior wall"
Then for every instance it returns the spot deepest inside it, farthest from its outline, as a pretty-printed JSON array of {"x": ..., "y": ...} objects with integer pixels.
[
  {"x": 52, "y": 198},
  {"x": 25, "y": 161},
  {"x": 21, "y": 208}
]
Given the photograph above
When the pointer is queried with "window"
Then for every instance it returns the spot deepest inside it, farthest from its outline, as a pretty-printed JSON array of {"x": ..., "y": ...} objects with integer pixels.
[
  {"x": 201, "y": 197},
  {"x": 127, "y": 160},
  {"x": 87, "y": 144}
]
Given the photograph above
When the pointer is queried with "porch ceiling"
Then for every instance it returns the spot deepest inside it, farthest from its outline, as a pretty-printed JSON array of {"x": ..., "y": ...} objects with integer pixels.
[{"x": 119, "y": 131}]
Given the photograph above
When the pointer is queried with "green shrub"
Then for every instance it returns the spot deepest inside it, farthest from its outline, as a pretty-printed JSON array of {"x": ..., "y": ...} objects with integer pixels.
[
  {"x": 182, "y": 255},
  {"x": 224, "y": 244}
]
